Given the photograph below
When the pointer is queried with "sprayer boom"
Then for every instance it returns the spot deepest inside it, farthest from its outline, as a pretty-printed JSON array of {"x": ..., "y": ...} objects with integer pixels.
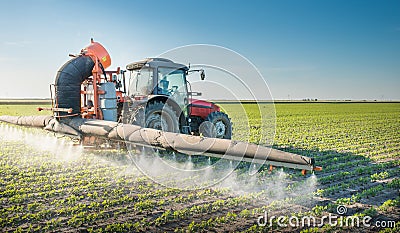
[{"x": 188, "y": 144}]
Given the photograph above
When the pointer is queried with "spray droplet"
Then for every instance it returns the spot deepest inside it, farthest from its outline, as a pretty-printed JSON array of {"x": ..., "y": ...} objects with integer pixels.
[{"x": 143, "y": 152}]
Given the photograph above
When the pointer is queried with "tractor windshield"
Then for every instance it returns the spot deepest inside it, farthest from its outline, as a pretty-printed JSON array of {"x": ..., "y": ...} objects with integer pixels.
[
  {"x": 172, "y": 82},
  {"x": 141, "y": 82}
]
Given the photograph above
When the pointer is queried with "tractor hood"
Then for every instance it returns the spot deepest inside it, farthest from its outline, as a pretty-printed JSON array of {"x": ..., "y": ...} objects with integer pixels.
[{"x": 204, "y": 104}]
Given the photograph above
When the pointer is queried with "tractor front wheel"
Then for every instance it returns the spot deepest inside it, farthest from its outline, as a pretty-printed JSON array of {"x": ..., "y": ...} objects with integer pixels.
[
  {"x": 216, "y": 125},
  {"x": 159, "y": 115}
]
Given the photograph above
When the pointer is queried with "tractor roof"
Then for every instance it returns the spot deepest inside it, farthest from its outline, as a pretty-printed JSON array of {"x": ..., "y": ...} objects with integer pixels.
[{"x": 154, "y": 63}]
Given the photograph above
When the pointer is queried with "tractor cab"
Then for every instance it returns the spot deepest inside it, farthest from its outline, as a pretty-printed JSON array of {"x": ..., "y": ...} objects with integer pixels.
[{"x": 158, "y": 77}]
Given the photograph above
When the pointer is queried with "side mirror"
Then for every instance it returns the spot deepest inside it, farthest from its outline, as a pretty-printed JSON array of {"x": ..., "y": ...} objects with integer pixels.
[{"x": 202, "y": 75}]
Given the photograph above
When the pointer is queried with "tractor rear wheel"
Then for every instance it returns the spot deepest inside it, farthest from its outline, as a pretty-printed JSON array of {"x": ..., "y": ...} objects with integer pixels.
[
  {"x": 216, "y": 125},
  {"x": 156, "y": 115}
]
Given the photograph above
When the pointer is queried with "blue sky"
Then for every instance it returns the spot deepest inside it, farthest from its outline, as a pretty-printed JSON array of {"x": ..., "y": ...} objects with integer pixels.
[{"x": 304, "y": 49}]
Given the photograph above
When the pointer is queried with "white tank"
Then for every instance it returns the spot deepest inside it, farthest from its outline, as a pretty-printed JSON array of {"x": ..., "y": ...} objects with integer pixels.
[{"x": 108, "y": 101}]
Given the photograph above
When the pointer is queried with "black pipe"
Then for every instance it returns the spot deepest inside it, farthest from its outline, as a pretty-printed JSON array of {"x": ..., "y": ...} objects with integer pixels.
[
  {"x": 68, "y": 83},
  {"x": 123, "y": 79}
]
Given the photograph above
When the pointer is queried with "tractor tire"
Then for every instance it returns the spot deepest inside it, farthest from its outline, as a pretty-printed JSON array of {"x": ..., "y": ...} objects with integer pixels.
[
  {"x": 216, "y": 125},
  {"x": 156, "y": 115}
]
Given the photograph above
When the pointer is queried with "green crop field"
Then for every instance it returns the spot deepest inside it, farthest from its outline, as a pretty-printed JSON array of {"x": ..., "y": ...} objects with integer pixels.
[
  {"x": 47, "y": 185},
  {"x": 23, "y": 110}
]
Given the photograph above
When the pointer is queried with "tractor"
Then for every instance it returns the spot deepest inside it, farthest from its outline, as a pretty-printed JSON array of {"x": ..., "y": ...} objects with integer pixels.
[{"x": 160, "y": 97}]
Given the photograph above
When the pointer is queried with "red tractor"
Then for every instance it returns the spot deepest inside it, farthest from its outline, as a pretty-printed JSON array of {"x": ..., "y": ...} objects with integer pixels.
[{"x": 160, "y": 97}]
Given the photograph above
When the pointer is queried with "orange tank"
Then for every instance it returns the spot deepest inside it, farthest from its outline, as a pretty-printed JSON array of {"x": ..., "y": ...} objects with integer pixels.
[{"x": 99, "y": 51}]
